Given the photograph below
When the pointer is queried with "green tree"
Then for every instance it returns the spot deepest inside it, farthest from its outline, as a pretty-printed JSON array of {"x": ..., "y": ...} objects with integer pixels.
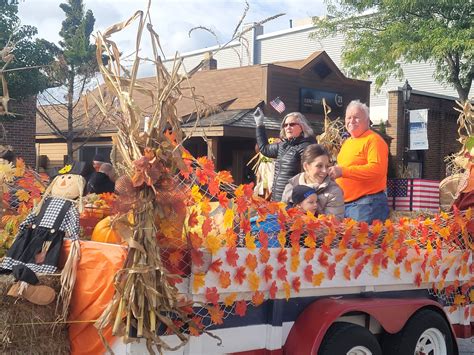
[
  {"x": 24, "y": 71},
  {"x": 380, "y": 34},
  {"x": 76, "y": 65}
]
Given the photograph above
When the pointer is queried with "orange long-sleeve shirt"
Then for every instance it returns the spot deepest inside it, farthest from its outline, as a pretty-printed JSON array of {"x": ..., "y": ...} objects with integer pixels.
[{"x": 364, "y": 163}]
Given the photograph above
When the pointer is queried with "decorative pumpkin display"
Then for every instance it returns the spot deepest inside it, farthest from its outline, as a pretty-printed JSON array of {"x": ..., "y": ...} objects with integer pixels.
[{"x": 106, "y": 233}]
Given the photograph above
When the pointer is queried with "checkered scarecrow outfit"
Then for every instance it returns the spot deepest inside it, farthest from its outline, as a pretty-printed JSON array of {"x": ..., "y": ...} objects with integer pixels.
[{"x": 40, "y": 238}]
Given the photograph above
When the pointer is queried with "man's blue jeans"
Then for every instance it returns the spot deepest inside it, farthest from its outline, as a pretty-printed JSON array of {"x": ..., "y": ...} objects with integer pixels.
[{"x": 368, "y": 208}]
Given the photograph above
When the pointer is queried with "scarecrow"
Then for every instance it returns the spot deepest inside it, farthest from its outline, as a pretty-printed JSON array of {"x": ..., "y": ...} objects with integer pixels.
[{"x": 38, "y": 244}]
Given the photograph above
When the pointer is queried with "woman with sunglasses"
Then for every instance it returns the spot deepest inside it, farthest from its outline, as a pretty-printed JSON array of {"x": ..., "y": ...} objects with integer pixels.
[{"x": 295, "y": 135}]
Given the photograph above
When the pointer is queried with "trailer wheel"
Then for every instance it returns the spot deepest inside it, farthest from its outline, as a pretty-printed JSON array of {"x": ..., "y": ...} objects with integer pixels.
[
  {"x": 425, "y": 333},
  {"x": 349, "y": 339}
]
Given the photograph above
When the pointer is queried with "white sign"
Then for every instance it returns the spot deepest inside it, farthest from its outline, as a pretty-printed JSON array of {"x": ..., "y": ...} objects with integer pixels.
[{"x": 418, "y": 129}]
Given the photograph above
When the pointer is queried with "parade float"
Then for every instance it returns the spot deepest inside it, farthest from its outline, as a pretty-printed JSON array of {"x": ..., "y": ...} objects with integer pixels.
[{"x": 190, "y": 276}]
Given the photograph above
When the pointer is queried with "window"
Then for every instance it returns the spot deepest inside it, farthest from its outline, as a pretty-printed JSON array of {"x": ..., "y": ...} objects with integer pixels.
[{"x": 87, "y": 153}]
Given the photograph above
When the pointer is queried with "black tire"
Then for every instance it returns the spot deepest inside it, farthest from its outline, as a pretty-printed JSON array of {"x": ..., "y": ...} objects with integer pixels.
[
  {"x": 342, "y": 337},
  {"x": 404, "y": 342}
]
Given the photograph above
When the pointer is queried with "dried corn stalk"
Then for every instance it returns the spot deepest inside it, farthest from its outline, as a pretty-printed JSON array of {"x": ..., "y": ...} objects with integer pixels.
[
  {"x": 331, "y": 138},
  {"x": 6, "y": 56},
  {"x": 456, "y": 163},
  {"x": 145, "y": 298}
]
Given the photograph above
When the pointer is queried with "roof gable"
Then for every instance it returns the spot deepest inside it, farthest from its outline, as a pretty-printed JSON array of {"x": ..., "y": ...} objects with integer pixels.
[{"x": 319, "y": 63}]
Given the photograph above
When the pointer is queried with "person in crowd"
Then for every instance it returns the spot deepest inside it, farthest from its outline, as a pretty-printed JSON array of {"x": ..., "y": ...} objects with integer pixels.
[
  {"x": 295, "y": 135},
  {"x": 85, "y": 168},
  {"x": 305, "y": 198},
  {"x": 97, "y": 161},
  {"x": 362, "y": 167},
  {"x": 102, "y": 180},
  {"x": 316, "y": 162},
  {"x": 108, "y": 169}
]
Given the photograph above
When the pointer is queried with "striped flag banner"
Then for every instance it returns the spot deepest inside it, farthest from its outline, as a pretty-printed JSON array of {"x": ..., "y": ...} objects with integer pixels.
[
  {"x": 413, "y": 194},
  {"x": 278, "y": 105}
]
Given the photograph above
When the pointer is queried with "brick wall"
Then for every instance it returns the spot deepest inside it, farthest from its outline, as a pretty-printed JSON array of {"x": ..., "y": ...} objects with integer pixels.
[
  {"x": 442, "y": 131},
  {"x": 20, "y": 132}
]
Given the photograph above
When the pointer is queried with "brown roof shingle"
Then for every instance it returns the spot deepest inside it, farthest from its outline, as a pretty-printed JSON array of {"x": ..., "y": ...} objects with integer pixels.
[{"x": 229, "y": 89}]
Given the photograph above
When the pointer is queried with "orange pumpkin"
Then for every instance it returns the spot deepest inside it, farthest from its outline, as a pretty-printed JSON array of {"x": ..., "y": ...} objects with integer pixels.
[{"x": 105, "y": 233}]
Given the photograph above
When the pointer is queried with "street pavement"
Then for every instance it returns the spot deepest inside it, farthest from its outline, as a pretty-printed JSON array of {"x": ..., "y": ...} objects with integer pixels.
[{"x": 466, "y": 346}]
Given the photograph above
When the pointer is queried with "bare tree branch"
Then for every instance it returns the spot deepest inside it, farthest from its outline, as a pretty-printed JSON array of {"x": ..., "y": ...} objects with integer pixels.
[{"x": 51, "y": 124}]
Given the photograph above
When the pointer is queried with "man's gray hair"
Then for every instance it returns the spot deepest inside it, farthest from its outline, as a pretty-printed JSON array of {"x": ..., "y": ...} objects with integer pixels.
[
  {"x": 305, "y": 127},
  {"x": 360, "y": 105}
]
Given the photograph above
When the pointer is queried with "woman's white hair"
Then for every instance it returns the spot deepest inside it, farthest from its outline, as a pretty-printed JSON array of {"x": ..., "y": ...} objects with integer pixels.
[
  {"x": 305, "y": 127},
  {"x": 361, "y": 106},
  {"x": 108, "y": 170}
]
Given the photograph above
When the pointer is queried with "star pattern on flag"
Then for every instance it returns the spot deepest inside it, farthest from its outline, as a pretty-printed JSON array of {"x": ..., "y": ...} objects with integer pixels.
[{"x": 278, "y": 105}]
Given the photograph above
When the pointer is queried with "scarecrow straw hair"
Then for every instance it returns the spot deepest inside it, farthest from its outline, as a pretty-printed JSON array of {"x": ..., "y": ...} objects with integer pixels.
[{"x": 68, "y": 280}]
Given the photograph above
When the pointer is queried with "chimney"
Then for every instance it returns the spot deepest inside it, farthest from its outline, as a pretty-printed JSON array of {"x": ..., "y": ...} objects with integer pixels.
[
  {"x": 209, "y": 62},
  {"x": 249, "y": 55}
]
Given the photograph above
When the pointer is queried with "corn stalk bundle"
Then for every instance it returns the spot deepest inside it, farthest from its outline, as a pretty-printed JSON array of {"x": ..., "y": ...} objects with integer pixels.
[
  {"x": 145, "y": 297},
  {"x": 331, "y": 138},
  {"x": 456, "y": 163}
]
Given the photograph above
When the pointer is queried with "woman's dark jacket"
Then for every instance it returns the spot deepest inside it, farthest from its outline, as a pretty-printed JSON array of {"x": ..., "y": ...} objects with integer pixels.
[
  {"x": 287, "y": 155},
  {"x": 99, "y": 183}
]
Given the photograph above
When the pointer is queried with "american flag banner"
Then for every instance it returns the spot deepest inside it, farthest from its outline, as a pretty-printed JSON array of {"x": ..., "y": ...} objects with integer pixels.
[
  {"x": 278, "y": 105},
  {"x": 413, "y": 194}
]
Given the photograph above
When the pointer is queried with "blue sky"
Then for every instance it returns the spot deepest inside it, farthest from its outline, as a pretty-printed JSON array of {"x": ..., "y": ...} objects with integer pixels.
[{"x": 172, "y": 18}]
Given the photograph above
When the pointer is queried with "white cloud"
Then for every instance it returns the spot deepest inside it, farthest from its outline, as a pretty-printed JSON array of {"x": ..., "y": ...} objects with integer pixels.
[{"x": 172, "y": 19}]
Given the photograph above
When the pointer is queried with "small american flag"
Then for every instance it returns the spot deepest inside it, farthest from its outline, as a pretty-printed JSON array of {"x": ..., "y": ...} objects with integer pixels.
[
  {"x": 278, "y": 105},
  {"x": 413, "y": 194}
]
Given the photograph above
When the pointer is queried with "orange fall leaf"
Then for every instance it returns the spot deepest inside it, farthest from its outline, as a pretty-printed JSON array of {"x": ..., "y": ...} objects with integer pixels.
[{"x": 251, "y": 262}]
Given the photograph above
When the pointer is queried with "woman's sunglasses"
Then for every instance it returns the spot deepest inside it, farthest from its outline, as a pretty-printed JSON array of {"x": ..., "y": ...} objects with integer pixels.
[{"x": 290, "y": 124}]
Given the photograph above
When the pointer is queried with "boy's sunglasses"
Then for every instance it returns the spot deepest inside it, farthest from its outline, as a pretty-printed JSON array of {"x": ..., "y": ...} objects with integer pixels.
[{"x": 290, "y": 124}]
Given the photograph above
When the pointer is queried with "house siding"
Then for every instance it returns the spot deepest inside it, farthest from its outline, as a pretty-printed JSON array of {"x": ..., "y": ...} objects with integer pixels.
[
  {"x": 295, "y": 44},
  {"x": 226, "y": 58},
  {"x": 54, "y": 151}
]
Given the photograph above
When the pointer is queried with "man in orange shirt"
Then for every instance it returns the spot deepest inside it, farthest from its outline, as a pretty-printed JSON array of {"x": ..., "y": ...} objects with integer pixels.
[{"x": 362, "y": 167}]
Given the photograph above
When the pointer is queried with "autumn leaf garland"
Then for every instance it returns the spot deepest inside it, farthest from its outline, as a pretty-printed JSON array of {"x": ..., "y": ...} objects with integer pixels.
[{"x": 361, "y": 247}]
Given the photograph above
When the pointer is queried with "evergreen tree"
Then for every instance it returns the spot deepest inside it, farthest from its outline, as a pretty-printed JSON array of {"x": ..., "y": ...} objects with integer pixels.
[
  {"x": 24, "y": 59},
  {"x": 76, "y": 65}
]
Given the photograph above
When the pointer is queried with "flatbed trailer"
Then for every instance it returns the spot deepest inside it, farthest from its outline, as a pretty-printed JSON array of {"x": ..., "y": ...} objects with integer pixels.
[{"x": 374, "y": 313}]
